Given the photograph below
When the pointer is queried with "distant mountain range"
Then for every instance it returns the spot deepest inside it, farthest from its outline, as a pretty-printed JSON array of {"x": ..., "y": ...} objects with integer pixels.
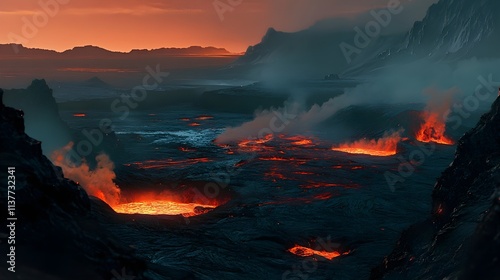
[
  {"x": 20, "y": 64},
  {"x": 13, "y": 50}
]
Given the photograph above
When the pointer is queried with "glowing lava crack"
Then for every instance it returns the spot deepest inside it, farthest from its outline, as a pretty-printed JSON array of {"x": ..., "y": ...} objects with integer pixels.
[{"x": 163, "y": 207}]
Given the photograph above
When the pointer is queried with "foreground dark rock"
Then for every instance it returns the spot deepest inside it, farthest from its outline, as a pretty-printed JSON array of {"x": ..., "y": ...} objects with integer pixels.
[
  {"x": 57, "y": 237},
  {"x": 461, "y": 238}
]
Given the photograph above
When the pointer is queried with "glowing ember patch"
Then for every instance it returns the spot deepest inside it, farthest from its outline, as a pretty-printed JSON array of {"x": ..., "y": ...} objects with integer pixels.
[
  {"x": 307, "y": 252},
  {"x": 298, "y": 140},
  {"x": 347, "y": 167},
  {"x": 383, "y": 147},
  {"x": 185, "y": 119},
  {"x": 194, "y": 124},
  {"x": 440, "y": 209},
  {"x": 323, "y": 196},
  {"x": 305, "y": 142},
  {"x": 273, "y": 159},
  {"x": 79, "y": 115},
  {"x": 204, "y": 118},
  {"x": 433, "y": 130},
  {"x": 240, "y": 163},
  {"x": 163, "y": 207},
  {"x": 303, "y": 173},
  {"x": 275, "y": 174},
  {"x": 159, "y": 164}
]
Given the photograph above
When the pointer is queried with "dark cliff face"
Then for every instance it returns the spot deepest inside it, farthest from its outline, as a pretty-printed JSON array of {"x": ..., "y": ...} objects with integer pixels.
[
  {"x": 451, "y": 30},
  {"x": 57, "y": 237},
  {"x": 457, "y": 28},
  {"x": 461, "y": 238}
]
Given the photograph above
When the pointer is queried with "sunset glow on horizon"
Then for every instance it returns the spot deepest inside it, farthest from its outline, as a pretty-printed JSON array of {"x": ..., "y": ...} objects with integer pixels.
[{"x": 150, "y": 24}]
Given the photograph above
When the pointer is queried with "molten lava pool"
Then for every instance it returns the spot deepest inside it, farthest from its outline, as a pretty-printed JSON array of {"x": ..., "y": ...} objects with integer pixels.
[{"x": 163, "y": 207}]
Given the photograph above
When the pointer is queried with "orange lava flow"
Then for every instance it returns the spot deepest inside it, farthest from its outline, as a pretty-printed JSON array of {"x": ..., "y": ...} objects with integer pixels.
[
  {"x": 304, "y": 142},
  {"x": 262, "y": 140},
  {"x": 163, "y": 207},
  {"x": 194, "y": 124},
  {"x": 307, "y": 252},
  {"x": 274, "y": 159},
  {"x": 255, "y": 145},
  {"x": 275, "y": 175},
  {"x": 298, "y": 140},
  {"x": 383, "y": 147},
  {"x": 79, "y": 115},
  {"x": 433, "y": 130}
]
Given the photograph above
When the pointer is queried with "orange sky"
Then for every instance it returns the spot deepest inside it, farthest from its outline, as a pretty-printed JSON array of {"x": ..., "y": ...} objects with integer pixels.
[{"x": 126, "y": 24}]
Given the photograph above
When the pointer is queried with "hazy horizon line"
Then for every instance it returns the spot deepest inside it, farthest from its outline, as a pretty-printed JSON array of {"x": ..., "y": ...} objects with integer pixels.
[{"x": 124, "y": 51}]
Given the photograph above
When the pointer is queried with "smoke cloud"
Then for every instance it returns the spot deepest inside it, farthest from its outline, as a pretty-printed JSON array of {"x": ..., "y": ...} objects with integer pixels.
[
  {"x": 97, "y": 182},
  {"x": 397, "y": 84},
  {"x": 440, "y": 102}
]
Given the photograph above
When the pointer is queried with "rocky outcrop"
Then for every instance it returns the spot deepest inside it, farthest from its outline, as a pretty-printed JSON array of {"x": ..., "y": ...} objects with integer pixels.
[
  {"x": 461, "y": 238},
  {"x": 43, "y": 122},
  {"x": 41, "y": 115},
  {"x": 57, "y": 237}
]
